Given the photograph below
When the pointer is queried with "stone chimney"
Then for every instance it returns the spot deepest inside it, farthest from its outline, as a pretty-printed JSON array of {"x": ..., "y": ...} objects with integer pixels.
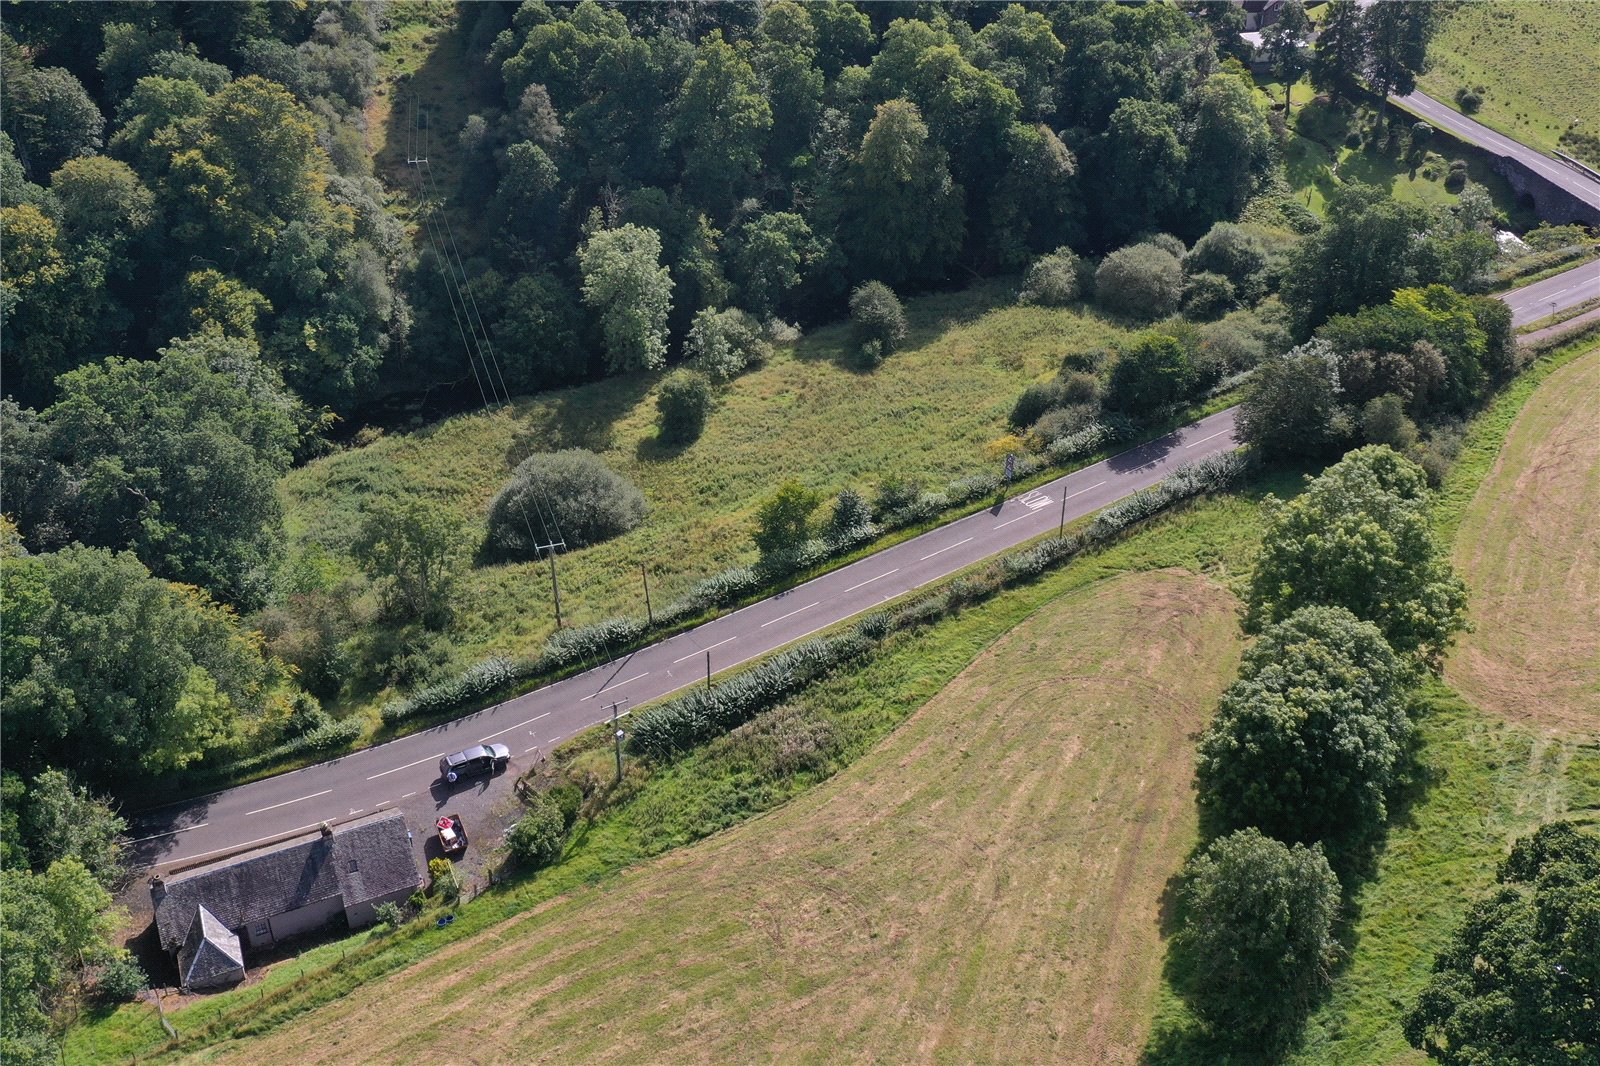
[
  {"x": 158, "y": 889},
  {"x": 327, "y": 830}
]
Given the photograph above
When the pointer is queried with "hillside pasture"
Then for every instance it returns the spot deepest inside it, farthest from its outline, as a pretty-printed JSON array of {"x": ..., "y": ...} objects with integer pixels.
[
  {"x": 929, "y": 412},
  {"x": 1001, "y": 856},
  {"x": 1529, "y": 551},
  {"x": 1537, "y": 66}
]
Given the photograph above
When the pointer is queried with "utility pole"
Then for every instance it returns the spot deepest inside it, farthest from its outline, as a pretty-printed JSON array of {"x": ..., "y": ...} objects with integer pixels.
[
  {"x": 555, "y": 584},
  {"x": 649, "y": 613},
  {"x": 617, "y": 736},
  {"x": 1062, "y": 528},
  {"x": 708, "y": 670}
]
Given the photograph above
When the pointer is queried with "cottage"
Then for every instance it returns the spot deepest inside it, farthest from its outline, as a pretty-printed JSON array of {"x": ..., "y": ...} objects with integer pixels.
[
  {"x": 206, "y": 917},
  {"x": 1259, "y": 14}
]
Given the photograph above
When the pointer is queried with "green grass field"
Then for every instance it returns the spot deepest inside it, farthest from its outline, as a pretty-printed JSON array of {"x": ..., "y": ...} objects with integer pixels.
[
  {"x": 928, "y": 412},
  {"x": 1538, "y": 66}
]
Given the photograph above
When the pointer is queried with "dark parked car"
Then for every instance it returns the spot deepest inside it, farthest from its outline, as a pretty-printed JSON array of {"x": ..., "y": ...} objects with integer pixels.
[{"x": 483, "y": 759}]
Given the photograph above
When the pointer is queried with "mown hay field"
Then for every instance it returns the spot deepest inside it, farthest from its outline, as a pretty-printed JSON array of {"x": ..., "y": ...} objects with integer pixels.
[
  {"x": 1529, "y": 548},
  {"x": 985, "y": 885}
]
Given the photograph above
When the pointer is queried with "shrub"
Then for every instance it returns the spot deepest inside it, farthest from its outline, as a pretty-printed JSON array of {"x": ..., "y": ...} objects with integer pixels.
[
  {"x": 1384, "y": 421},
  {"x": 1207, "y": 296},
  {"x": 568, "y": 799},
  {"x": 1421, "y": 132},
  {"x": 1456, "y": 180},
  {"x": 569, "y": 494},
  {"x": 1151, "y": 373},
  {"x": 895, "y": 493},
  {"x": 1062, "y": 422},
  {"x": 1035, "y": 400},
  {"x": 476, "y": 682},
  {"x": 851, "y": 515},
  {"x": 536, "y": 839},
  {"x": 1142, "y": 282},
  {"x": 121, "y": 979},
  {"x": 595, "y": 642},
  {"x": 1470, "y": 100},
  {"x": 682, "y": 406},
  {"x": 389, "y": 914},
  {"x": 972, "y": 487},
  {"x": 722, "y": 344},
  {"x": 1173, "y": 246},
  {"x": 331, "y": 737},
  {"x": 442, "y": 879},
  {"x": 783, "y": 521},
  {"x": 1052, "y": 280},
  {"x": 878, "y": 322},
  {"x": 1230, "y": 250},
  {"x": 1259, "y": 933}
]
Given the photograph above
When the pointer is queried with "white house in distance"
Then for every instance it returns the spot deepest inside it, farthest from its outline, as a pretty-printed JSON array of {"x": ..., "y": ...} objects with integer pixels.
[{"x": 208, "y": 916}]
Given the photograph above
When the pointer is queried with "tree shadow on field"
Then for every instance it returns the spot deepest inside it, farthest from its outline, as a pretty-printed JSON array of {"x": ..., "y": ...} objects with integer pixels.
[{"x": 583, "y": 416}]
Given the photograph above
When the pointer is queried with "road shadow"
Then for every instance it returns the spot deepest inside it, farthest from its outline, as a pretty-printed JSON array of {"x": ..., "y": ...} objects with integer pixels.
[
  {"x": 1144, "y": 455},
  {"x": 158, "y": 832}
]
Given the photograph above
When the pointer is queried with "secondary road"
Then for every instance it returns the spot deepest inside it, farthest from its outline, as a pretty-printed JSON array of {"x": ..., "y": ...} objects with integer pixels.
[
  {"x": 1566, "y": 289},
  {"x": 1572, "y": 180},
  {"x": 404, "y": 773}
]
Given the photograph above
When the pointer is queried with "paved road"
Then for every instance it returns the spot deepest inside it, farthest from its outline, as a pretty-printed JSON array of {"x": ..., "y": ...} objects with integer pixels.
[
  {"x": 1572, "y": 180},
  {"x": 1566, "y": 289},
  {"x": 404, "y": 773}
]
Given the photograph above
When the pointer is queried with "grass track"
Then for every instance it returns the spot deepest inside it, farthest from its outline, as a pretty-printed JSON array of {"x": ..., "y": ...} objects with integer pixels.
[
  {"x": 1529, "y": 550},
  {"x": 1538, "y": 62},
  {"x": 1001, "y": 856}
]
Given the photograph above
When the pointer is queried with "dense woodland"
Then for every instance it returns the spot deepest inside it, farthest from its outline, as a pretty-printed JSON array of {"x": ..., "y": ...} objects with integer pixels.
[{"x": 202, "y": 273}]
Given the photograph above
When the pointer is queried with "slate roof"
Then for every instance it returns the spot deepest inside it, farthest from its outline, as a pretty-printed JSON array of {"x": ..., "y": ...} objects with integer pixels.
[
  {"x": 285, "y": 878},
  {"x": 209, "y": 951}
]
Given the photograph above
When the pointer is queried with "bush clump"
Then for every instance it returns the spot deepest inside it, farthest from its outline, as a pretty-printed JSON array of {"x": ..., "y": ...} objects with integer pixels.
[
  {"x": 474, "y": 683},
  {"x": 878, "y": 323},
  {"x": 536, "y": 839},
  {"x": 723, "y": 344},
  {"x": 1207, "y": 296},
  {"x": 1052, "y": 280},
  {"x": 1142, "y": 282},
  {"x": 682, "y": 406},
  {"x": 569, "y": 494}
]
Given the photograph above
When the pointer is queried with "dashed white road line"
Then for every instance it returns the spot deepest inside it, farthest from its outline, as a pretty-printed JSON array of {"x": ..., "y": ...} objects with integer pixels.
[
  {"x": 870, "y": 580},
  {"x": 619, "y": 684},
  {"x": 1080, "y": 492},
  {"x": 509, "y": 728},
  {"x": 702, "y": 651},
  {"x": 1202, "y": 440},
  {"x": 286, "y": 803},
  {"x": 1019, "y": 518},
  {"x": 407, "y": 766},
  {"x": 791, "y": 614},
  {"x": 946, "y": 548}
]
